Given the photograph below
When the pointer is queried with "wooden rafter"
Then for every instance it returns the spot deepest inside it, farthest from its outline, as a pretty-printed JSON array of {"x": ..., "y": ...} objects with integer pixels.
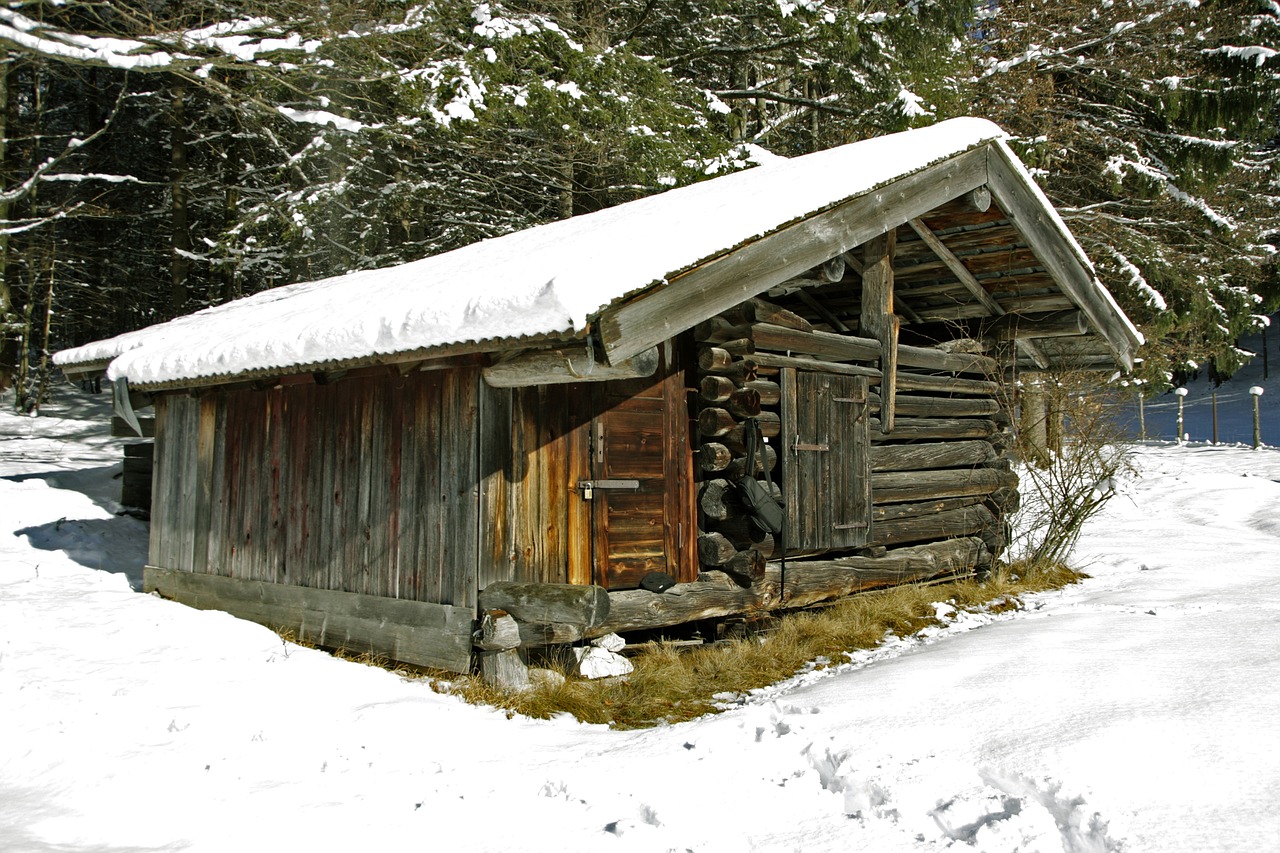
[{"x": 971, "y": 284}]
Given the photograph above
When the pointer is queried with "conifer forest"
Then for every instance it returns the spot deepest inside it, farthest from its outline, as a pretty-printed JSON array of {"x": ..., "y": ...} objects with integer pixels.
[{"x": 160, "y": 156}]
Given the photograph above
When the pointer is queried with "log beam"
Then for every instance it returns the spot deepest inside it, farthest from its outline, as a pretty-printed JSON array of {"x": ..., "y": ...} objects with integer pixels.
[{"x": 570, "y": 364}]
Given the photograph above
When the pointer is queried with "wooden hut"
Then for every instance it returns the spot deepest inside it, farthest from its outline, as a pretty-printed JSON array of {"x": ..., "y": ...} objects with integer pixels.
[{"x": 491, "y": 449}]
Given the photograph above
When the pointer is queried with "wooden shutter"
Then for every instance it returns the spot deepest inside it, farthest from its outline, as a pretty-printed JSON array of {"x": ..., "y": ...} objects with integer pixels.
[{"x": 826, "y": 474}]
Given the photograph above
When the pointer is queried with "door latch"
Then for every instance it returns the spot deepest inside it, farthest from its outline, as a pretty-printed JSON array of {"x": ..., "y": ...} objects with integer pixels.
[{"x": 587, "y": 487}]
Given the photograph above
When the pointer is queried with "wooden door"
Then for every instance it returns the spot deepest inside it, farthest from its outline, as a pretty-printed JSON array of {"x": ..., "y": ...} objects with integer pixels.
[
  {"x": 826, "y": 472},
  {"x": 640, "y": 478}
]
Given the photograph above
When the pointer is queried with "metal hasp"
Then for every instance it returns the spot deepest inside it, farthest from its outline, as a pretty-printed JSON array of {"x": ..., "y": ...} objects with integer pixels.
[{"x": 587, "y": 487}]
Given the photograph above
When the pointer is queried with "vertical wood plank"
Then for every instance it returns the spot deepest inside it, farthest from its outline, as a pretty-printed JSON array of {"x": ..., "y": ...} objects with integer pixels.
[
  {"x": 205, "y": 436},
  {"x": 160, "y": 484}
]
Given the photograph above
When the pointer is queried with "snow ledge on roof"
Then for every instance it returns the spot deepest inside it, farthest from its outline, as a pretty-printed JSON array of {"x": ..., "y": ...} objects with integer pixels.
[{"x": 542, "y": 281}]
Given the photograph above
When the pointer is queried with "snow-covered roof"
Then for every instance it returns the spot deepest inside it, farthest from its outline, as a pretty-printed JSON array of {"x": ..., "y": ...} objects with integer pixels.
[{"x": 543, "y": 281}]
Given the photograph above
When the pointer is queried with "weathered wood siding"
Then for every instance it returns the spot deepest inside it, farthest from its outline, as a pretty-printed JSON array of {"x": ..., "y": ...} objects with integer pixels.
[
  {"x": 533, "y": 451},
  {"x": 369, "y": 485}
]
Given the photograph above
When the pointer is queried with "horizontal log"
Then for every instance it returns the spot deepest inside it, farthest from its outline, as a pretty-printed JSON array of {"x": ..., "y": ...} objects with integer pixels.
[
  {"x": 560, "y": 366},
  {"x": 714, "y": 359},
  {"x": 964, "y": 521},
  {"x": 535, "y": 634},
  {"x": 1054, "y": 324},
  {"x": 825, "y": 345},
  {"x": 714, "y": 421},
  {"x": 934, "y": 428},
  {"x": 140, "y": 450},
  {"x": 718, "y": 500},
  {"x": 903, "y": 486},
  {"x": 894, "y": 512},
  {"x": 920, "y": 457},
  {"x": 716, "y": 389},
  {"x": 547, "y": 602},
  {"x": 770, "y": 427},
  {"x": 746, "y": 567},
  {"x": 713, "y": 456},
  {"x": 807, "y": 582},
  {"x": 766, "y": 459},
  {"x": 715, "y": 549},
  {"x": 950, "y": 362},
  {"x": 770, "y": 392},
  {"x": 939, "y": 407},
  {"x": 759, "y": 310},
  {"x": 946, "y": 384},
  {"x": 1005, "y": 501},
  {"x": 814, "y": 365},
  {"x": 745, "y": 534},
  {"x": 743, "y": 403},
  {"x": 718, "y": 330}
]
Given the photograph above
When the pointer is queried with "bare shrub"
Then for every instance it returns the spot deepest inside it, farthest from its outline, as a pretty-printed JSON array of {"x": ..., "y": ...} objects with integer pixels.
[{"x": 1072, "y": 453}]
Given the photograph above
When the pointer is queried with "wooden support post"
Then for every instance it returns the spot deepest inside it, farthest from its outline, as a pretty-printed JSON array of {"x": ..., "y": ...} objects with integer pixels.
[
  {"x": 1033, "y": 422},
  {"x": 877, "y": 320}
]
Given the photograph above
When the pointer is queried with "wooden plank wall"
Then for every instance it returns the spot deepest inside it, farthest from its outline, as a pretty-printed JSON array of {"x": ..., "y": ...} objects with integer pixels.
[
  {"x": 533, "y": 444},
  {"x": 369, "y": 485}
]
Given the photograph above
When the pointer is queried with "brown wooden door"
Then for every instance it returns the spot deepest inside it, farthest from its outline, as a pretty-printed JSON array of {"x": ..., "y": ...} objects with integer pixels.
[
  {"x": 641, "y": 467},
  {"x": 826, "y": 473}
]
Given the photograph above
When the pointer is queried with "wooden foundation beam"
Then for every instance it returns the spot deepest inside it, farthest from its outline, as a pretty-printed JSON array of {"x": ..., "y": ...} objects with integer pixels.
[
  {"x": 807, "y": 582},
  {"x": 416, "y": 632}
]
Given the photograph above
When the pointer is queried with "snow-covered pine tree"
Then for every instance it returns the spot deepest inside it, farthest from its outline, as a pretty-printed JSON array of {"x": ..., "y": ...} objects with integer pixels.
[{"x": 1152, "y": 125}]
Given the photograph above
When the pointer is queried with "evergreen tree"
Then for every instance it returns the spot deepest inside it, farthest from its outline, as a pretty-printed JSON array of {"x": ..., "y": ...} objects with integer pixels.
[{"x": 1152, "y": 126}]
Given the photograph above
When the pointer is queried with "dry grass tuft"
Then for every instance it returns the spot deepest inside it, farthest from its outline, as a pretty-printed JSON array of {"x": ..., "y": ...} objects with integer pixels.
[{"x": 671, "y": 684}]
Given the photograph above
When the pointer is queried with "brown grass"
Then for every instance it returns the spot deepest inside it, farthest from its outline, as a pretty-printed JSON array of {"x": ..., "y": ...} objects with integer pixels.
[{"x": 671, "y": 683}]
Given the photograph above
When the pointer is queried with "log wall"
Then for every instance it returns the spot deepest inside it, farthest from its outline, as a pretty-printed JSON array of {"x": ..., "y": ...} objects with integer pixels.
[{"x": 937, "y": 473}]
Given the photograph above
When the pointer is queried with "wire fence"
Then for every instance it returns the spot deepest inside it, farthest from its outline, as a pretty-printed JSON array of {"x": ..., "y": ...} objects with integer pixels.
[{"x": 1236, "y": 415}]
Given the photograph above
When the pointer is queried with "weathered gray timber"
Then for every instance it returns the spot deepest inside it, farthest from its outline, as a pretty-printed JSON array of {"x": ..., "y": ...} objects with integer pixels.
[
  {"x": 962, "y": 521},
  {"x": 920, "y": 457},
  {"x": 807, "y": 582},
  {"x": 934, "y": 359},
  {"x": 946, "y": 384},
  {"x": 559, "y": 366},
  {"x": 903, "y": 486},
  {"x": 764, "y": 359},
  {"x": 422, "y": 633},
  {"x": 934, "y": 429},
  {"x": 876, "y": 317},
  {"x": 939, "y": 407},
  {"x": 825, "y": 467},
  {"x": 893, "y": 512},
  {"x": 1053, "y": 324},
  {"x": 546, "y": 602},
  {"x": 822, "y": 345},
  {"x": 1023, "y": 203}
]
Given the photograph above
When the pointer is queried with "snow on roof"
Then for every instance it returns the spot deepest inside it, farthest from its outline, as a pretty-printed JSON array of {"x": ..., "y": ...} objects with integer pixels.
[{"x": 542, "y": 281}]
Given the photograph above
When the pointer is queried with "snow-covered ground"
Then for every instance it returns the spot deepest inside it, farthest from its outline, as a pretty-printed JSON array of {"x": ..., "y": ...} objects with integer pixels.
[{"x": 1136, "y": 711}]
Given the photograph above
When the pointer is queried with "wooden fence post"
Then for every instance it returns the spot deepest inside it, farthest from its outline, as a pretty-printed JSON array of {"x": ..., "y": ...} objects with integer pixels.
[
  {"x": 1256, "y": 393},
  {"x": 1182, "y": 395}
]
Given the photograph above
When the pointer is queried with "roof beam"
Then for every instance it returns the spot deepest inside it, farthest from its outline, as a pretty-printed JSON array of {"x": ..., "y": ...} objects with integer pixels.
[
  {"x": 718, "y": 284},
  {"x": 1026, "y": 207},
  {"x": 971, "y": 284}
]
